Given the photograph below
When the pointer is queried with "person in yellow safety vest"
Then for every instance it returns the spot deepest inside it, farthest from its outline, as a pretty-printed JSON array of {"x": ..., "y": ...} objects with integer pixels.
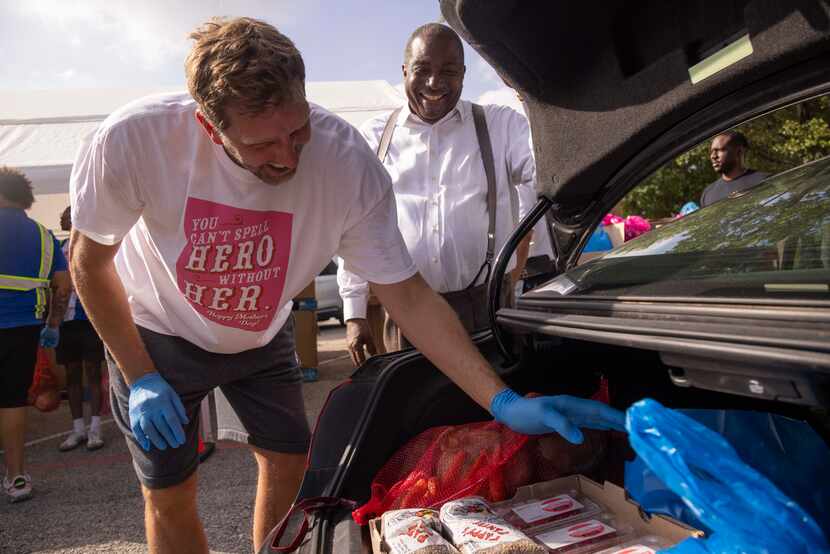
[{"x": 31, "y": 266}]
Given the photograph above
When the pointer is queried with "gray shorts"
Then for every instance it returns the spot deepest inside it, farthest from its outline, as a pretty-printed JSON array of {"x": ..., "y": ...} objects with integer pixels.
[{"x": 261, "y": 402}]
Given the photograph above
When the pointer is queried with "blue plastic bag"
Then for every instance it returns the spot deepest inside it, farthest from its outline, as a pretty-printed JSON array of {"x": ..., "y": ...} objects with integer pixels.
[
  {"x": 786, "y": 451},
  {"x": 744, "y": 511},
  {"x": 599, "y": 241},
  {"x": 688, "y": 208}
]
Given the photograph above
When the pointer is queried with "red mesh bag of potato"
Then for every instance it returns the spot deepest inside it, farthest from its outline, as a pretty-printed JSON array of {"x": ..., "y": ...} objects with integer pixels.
[
  {"x": 477, "y": 459},
  {"x": 43, "y": 394},
  {"x": 443, "y": 463}
]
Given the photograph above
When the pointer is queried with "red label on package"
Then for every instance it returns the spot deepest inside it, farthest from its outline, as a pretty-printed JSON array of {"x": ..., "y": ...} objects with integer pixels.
[
  {"x": 543, "y": 509},
  {"x": 576, "y": 533},
  {"x": 486, "y": 531},
  {"x": 232, "y": 270}
]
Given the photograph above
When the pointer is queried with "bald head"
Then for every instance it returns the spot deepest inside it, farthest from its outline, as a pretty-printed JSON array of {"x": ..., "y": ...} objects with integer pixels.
[
  {"x": 433, "y": 71},
  {"x": 430, "y": 32}
]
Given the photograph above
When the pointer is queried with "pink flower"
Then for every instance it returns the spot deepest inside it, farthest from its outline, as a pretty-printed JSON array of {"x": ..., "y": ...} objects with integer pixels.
[
  {"x": 636, "y": 226},
  {"x": 611, "y": 219}
]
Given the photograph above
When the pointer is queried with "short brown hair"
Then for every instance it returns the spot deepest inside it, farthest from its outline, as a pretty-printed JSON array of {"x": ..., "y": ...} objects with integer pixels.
[
  {"x": 16, "y": 187},
  {"x": 244, "y": 62}
]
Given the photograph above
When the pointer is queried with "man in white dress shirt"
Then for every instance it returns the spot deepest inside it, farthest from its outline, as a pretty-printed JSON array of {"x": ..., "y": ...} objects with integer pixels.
[{"x": 441, "y": 187}]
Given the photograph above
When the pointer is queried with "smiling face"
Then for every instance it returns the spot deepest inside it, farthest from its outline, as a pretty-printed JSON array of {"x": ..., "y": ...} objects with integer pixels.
[
  {"x": 267, "y": 144},
  {"x": 433, "y": 76}
]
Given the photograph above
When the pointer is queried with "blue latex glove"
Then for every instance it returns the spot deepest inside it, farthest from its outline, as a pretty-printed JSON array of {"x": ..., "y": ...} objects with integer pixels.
[
  {"x": 50, "y": 336},
  {"x": 156, "y": 413},
  {"x": 562, "y": 414}
]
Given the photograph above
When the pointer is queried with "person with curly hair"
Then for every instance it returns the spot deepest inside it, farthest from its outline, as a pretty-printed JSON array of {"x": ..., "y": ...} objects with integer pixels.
[{"x": 34, "y": 290}]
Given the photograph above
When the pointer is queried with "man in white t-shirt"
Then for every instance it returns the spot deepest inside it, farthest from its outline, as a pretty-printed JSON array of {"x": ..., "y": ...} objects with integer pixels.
[{"x": 197, "y": 218}]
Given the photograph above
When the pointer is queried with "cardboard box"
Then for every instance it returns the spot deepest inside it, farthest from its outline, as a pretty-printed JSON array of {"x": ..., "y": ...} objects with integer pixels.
[
  {"x": 616, "y": 232},
  {"x": 305, "y": 337},
  {"x": 616, "y": 500},
  {"x": 609, "y": 495},
  {"x": 376, "y": 534},
  {"x": 305, "y": 329}
]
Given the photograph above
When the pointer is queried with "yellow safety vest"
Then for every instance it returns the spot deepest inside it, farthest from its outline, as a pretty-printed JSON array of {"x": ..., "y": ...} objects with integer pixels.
[{"x": 40, "y": 283}]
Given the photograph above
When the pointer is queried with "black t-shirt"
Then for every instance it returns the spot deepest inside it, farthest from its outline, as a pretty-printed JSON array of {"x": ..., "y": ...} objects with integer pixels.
[{"x": 721, "y": 189}]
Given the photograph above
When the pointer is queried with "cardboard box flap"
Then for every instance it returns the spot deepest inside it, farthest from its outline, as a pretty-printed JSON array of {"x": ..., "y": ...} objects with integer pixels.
[{"x": 616, "y": 500}]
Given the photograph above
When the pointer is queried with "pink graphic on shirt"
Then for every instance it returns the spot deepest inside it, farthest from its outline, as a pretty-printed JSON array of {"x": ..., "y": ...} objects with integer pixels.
[{"x": 232, "y": 270}]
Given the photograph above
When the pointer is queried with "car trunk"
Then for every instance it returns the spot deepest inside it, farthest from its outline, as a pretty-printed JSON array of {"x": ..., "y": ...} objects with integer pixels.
[
  {"x": 610, "y": 97},
  {"x": 404, "y": 394}
]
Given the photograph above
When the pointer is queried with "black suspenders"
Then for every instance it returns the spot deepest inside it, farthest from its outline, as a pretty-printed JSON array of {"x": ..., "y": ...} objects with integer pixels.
[{"x": 490, "y": 172}]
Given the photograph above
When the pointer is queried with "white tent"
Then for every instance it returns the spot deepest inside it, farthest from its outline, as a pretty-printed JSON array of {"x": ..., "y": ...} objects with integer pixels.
[{"x": 40, "y": 130}]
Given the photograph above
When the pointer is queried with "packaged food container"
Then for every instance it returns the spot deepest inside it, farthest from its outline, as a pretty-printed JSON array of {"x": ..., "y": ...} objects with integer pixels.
[
  {"x": 544, "y": 512},
  {"x": 414, "y": 531},
  {"x": 474, "y": 528},
  {"x": 649, "y": 544},
  {"x": 584, "y": 535}
]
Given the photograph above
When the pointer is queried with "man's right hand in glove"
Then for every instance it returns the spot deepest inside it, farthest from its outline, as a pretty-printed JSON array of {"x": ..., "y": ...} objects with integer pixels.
[
  {"x": 358, "y": 336},
  {"x": 563, "y": 414},
  {"x": 156, "y": 413}
]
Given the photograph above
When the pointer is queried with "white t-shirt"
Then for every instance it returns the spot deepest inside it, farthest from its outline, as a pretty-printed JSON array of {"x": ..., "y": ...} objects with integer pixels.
[{"x": 212, "y": 254}]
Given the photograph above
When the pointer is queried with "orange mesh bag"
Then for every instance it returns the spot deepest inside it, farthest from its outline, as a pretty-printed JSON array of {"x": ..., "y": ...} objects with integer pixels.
[
  {"x": 43, "y": 394},
  {"x": 444, "y": 463},
  {"x": 484, "y": 459}
]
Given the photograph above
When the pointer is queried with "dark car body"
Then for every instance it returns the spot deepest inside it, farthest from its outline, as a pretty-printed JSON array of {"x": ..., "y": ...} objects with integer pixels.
[{"x": 691, "y": 323}]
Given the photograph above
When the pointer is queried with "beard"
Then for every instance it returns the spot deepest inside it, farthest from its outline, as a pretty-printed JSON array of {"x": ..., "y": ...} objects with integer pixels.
[{"x": 726, "y": 167}]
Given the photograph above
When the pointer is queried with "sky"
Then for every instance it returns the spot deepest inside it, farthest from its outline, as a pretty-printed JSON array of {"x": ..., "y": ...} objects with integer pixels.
[{"x": 70, "y": 44}]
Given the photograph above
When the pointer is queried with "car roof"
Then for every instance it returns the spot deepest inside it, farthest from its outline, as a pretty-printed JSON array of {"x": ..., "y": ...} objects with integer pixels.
[{"x": 602, "y": 81}]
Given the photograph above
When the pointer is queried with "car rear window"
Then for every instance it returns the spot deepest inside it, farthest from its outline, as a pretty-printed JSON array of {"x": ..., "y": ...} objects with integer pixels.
[{"x": 771, "y": 241}]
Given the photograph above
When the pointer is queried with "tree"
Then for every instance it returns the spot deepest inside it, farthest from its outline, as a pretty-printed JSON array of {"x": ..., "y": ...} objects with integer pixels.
[{"x": 778, "y": 141}]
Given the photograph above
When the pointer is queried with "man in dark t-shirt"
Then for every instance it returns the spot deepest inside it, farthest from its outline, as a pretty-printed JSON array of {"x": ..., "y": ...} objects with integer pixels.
[{"x": 727, "y": 156}]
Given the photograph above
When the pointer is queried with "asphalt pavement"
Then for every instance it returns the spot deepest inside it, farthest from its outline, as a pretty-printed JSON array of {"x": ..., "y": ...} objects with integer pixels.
[{"x": 91, "y": 502}]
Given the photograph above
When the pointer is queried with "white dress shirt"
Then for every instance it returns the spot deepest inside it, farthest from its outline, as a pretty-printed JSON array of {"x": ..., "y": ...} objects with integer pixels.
[
  {"x": 441, "y": 194},
  {"x": 540, "y": 243}
]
